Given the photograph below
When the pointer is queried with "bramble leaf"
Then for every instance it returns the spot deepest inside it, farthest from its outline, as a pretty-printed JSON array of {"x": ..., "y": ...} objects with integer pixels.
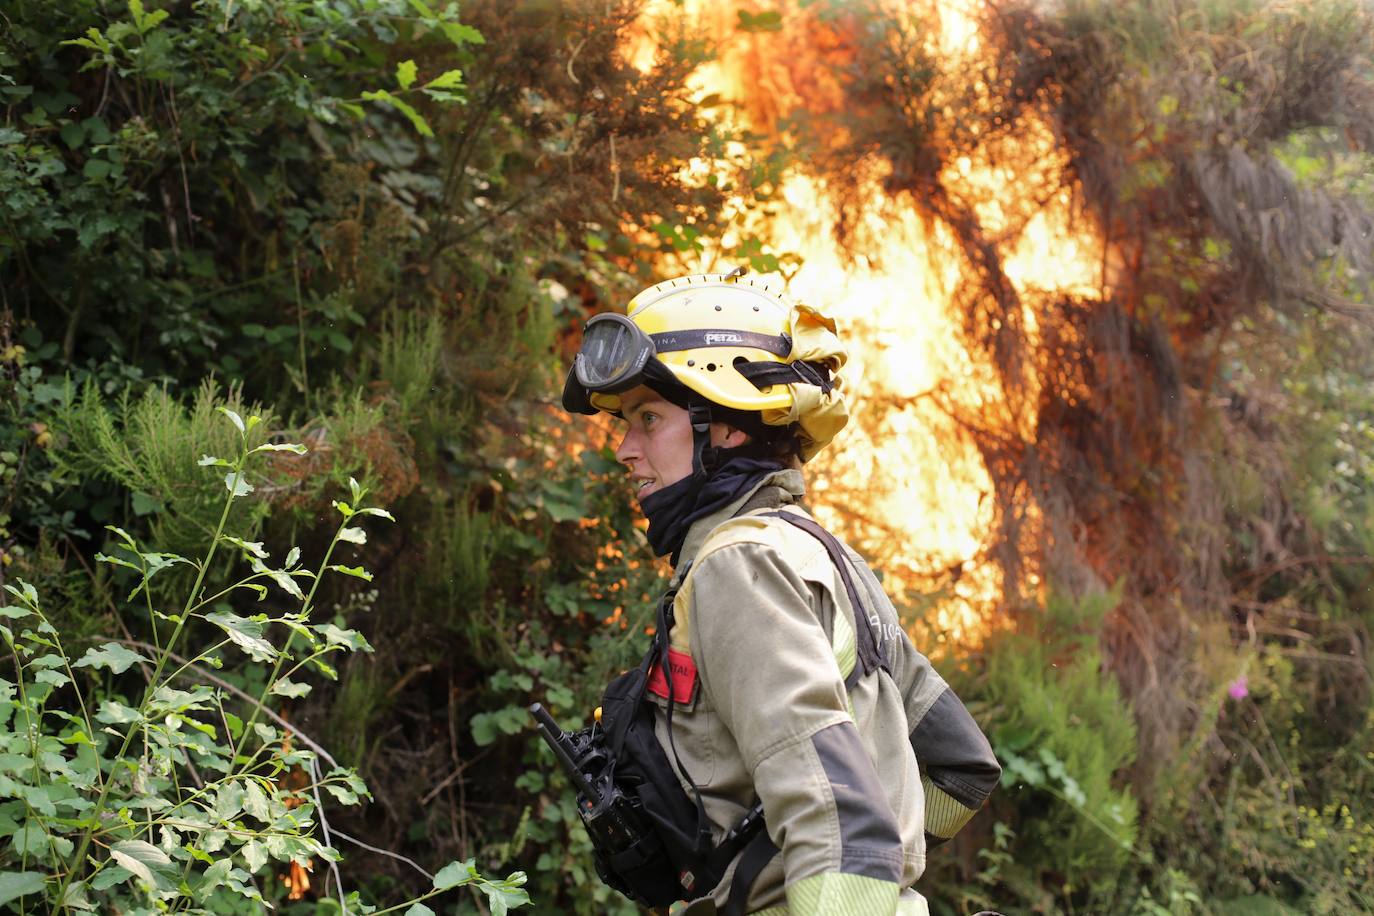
[
  {"x": 289, "y": 688},
  {"x": 455, "y": 874},
  {"x": 139, "y": 857},
  {"x": 235, "y": 483},
  {"x": 337, "y": 637},
  {"x": 18, "y": 883},
  {"x": 404, "y": 107},
  {"x": 244, "y": 633},
  {"x": 449, "y": 79},
  {"x": 111, "y": 655},
  {"x": 353, "y": 535},
  {"x": 253, "y": 547}
]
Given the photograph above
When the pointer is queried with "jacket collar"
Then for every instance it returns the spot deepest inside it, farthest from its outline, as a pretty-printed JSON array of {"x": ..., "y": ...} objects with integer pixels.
[{"x": 790, "y": 486}]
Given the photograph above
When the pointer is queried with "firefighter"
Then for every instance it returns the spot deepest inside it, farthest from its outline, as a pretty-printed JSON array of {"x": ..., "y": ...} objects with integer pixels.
[{"x": 789, "y": 680}]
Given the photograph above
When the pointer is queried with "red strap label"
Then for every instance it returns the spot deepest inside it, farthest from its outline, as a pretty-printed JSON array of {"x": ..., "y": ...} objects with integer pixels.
[{"x": 684, "y": 677}]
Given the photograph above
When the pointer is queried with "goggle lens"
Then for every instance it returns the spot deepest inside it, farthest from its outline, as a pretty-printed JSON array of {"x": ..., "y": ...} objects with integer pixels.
[{"x": 613, "y": 350}]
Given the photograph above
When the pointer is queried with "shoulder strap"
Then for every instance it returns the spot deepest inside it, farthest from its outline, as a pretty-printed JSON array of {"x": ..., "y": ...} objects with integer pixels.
[
  {"x": 755, "y": 856},
  {"x": 869, "y": 652}
]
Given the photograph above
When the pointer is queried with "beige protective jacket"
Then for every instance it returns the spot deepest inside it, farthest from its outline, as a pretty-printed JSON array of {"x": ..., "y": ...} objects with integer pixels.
[{"x": 853, "y": 783}]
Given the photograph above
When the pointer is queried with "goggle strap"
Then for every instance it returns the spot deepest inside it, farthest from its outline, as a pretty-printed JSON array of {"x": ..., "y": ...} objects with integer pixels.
[{"x": 703, "y": 338}]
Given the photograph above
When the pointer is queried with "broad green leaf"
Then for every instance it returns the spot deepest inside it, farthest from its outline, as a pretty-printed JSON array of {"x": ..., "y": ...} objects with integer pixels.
[
  {"x": 255, "y": 855},
  {"x": 461, "y": 34},
  {"x": 353, "y": 535},
  {"x": 144, "y": 852},
  {"x": 116, "y": 561},
  {"x": 229, "y": 799},
  {"x": 235, "y": 483},
  {"x": 122, "y": 535},
  {"x": 55, "y": 678},
  {"x": 109, "y": 876},
  {"x": 404, "y": 107},
  {"x": 405, "y": 74},
  {"x": 210, "y": 460},
  {"x": 379, "y": 512},
  {"x": 287, "y": 584},
  {"x": 419, "y": 909},
  {"x": 132, "y": 865},
  {"x": 111, "y": 655},
  {"x": 502, "y": 896},
  {"x": 75, "y": 897},
  {"x": 292, "y": 556},
  {"x": 335, "y": 636},
  {"x": 144, "y": 504},
  {"x": 455, "y": 874},
  {"x": 255, "y": 802},
  {"x": 39, "y": 798},
  {"x": 15, "y": 611},
  {"x": 73, "y": 134},
  {"x": 253, "y": 547},
  {"x": 244, "y": 633},
  {"x": 355, "y": 571},
  {"x": 233, "y": 418},
  {"x": 30, "y": 840},
  {"x": 289, "y": 688},
  {"x": 344, "y": 795},
  {"x": 356, "y": 490},
  {"x": 449, "y": 79},
  {"x": 25, "y": 591},
  {"x": 18, "y": 883},
  {"x": 281, "y": 447},
  {"x": 113, "y": 713}
]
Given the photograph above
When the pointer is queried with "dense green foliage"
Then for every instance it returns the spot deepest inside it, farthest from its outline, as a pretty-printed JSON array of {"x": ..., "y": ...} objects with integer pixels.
[
  {"x": 187, "y": 812},
  {"x": 373, "y": 223}
]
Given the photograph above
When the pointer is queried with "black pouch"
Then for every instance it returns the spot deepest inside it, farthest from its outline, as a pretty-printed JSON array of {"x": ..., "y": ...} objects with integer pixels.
[
  {"x": 645, "y": 872},
  {"x": 644, "y": 772}
]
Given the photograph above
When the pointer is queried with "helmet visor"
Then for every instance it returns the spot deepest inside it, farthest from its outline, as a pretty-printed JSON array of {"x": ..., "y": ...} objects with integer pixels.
[{"x": 614, "y": 351}]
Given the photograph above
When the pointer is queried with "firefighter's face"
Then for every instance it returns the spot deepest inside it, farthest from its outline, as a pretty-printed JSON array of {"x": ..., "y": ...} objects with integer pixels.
[{"x": 657, "y": 447}]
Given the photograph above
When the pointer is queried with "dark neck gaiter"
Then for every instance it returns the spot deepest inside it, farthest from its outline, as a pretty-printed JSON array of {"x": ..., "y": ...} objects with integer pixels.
[{"x": 672, "y": 510}]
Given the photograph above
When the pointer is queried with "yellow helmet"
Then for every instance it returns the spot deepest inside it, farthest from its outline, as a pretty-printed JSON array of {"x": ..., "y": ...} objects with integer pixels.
[{"x": 732, "y": 341}]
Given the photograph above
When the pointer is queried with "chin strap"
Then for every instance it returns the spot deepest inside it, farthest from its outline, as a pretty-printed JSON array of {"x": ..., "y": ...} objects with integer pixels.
[{"x": 705, "y": 456}]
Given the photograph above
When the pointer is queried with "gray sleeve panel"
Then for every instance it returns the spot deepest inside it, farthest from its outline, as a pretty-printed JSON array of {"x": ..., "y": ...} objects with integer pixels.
[
  {"x": 954, "y": 753},
  {"x": 870, "y": 841}
]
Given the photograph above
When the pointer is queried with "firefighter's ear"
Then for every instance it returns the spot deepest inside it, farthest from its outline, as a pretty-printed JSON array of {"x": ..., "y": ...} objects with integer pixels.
[{"x": 723, "y": 435}]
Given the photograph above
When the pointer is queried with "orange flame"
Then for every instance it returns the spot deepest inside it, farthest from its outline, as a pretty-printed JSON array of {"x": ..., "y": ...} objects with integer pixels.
[{"x": 925, "y": 509}]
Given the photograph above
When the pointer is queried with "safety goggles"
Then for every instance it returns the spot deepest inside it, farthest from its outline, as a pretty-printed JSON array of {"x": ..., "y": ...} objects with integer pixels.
[
  {"x": 615, "y": 351},
  {"x": 613, "y": 355}
]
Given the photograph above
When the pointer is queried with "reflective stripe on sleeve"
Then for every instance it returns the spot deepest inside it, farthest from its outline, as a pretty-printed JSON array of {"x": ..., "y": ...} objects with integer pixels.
[
  {"x": 835, "y": 894},
  {"x": 944, "y": 816}
]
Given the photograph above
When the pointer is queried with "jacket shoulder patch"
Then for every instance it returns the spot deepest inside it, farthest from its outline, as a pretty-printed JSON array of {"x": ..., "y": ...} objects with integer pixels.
[{"x": 684, "y": 675}]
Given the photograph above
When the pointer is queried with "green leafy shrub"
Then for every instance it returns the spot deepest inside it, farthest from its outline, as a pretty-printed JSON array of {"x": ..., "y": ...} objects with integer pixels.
[
  {"x": 179, "y": 794},
  {"x": 1063, "y": 827}
]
